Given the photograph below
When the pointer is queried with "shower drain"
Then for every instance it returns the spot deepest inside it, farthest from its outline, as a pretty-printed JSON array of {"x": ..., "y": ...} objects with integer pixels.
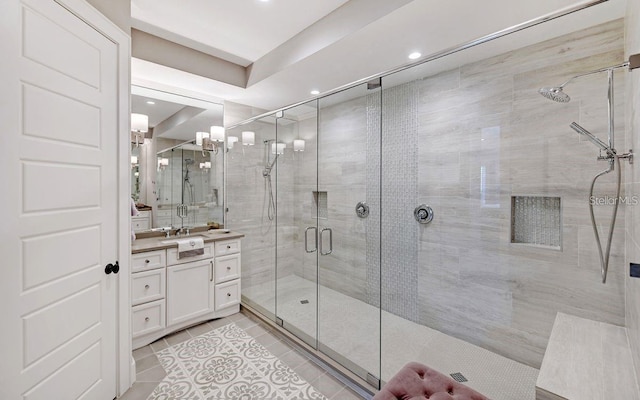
[
  {"x": 304, "y": 301},
  {"x": 459, "y": 377}
]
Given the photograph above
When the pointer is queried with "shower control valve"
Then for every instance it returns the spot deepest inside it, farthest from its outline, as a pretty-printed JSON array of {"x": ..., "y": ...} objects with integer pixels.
[
  {"x": 423, "y": 214},
  {"x": 362, "y": 209}
]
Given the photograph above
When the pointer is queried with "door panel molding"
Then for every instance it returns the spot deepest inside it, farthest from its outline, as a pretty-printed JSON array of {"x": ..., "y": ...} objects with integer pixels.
[{"x": 37, "y": 380}]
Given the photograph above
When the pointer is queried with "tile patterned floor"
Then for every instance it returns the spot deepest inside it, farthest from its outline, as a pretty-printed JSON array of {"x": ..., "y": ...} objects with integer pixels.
[{"x": 150, "y": 372}]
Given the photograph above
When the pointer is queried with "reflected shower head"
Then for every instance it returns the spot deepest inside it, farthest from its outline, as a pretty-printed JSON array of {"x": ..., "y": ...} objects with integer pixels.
[
  {"x": 555, "y": 94},
  {"x": 189, "y": 161}
]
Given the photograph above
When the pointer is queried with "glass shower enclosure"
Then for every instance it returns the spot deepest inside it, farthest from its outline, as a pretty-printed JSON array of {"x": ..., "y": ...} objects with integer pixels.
[{"x": 333, "y": 195}]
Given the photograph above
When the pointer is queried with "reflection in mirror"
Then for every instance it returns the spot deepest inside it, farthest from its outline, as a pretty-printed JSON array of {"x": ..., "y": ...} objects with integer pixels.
[
  {"x": 135, "y": 173},
  {"x": 189, "y": 176},
  {"x": 179, "y": 183}
]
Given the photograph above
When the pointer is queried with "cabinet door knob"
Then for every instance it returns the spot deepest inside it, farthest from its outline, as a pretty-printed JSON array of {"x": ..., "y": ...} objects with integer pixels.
[
  {"x": 147, "y": 261},
  {"x": 146, "y": 286},
  {"x": 228, "y": 268},
  {"x": 228, "y": 294},
  {"x": 228, "y": 246},
  {"x": 146, "y": 319}
]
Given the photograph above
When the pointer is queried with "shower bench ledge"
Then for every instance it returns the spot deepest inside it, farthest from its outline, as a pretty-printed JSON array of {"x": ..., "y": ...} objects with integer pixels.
[{"x": 586, "y": 360}]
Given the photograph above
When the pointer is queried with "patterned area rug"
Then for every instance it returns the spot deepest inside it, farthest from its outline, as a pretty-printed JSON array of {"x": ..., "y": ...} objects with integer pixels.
[{"x": 227, "y": 364}]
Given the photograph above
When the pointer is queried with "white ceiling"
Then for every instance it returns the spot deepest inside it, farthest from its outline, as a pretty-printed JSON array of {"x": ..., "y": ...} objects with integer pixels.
[
  {"x": 328, "y": 54},
  {"x": 240, "y": 31}
]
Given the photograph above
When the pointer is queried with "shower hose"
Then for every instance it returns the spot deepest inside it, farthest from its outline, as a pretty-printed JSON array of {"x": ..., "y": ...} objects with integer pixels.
[{"x": 604, "y": 260}]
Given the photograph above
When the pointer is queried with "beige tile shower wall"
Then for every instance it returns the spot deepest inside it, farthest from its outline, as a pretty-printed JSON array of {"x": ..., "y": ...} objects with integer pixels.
[
  {"x": 486, "y": 135},
  {"x": 632, "y": 181}
]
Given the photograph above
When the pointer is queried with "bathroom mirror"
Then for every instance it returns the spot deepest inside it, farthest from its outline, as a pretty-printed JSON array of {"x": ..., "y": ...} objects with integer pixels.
[
  {"x": 168, "y": 169},
  {"x": 190, "y": 178}
]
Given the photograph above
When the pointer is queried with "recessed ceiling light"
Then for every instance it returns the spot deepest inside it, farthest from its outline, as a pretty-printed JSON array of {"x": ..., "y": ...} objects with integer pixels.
[
  {"x": 315, "y": 92},
  {"x": 151, "y": 102},
  {"x": 415, "y": 55}
]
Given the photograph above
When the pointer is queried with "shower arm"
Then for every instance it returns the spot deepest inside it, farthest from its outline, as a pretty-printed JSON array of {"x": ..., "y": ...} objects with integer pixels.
[{"x": 624, "y": 64}]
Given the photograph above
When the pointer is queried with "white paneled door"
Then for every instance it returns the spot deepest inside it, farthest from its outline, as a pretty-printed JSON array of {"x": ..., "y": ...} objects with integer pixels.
[{"x": 59, "y": 123}]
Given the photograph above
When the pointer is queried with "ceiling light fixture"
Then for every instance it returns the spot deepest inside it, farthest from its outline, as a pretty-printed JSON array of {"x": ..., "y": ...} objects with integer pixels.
[
  {"x": 151, "y": 102},
  {"x": 315, "y": 92},
  {"x": 415, "y": 55}
]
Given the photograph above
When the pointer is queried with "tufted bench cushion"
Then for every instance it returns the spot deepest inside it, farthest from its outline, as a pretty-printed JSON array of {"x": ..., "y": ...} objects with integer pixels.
[{"x": 416, "y": 381}]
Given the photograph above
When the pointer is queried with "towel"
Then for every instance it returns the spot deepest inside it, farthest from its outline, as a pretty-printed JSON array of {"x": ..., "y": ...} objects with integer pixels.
[
  {"x": 134, "y": 213},
  {"x": 134, "y": 209},
  {"x": 190, "y": 247}
]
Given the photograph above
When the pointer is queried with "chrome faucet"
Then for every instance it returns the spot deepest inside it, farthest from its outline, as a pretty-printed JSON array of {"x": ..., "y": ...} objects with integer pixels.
[{"x": 184, "y": 229}]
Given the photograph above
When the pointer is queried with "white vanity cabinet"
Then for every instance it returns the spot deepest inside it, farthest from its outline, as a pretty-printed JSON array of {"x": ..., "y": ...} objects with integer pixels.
[
  {"x": 170, "y": 293},
  {"x": 189, "y": 290}
]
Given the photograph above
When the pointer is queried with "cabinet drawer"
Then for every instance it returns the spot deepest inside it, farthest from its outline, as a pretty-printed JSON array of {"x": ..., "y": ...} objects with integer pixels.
[
  {"x": 144, "y": 214},
  {"x": 140, "y": 224},
  {"x": 227, "y": 294},
  {"x": 227, "y": 247},
  {"x": 147, "y": 318},
  {"x": 147, "y": 286},
  {"x": 227, "y": 268},
  {"x": 164, "y": 213},
  {"x": 148, "y": 260},
  {"x": 172, "y": 255}
]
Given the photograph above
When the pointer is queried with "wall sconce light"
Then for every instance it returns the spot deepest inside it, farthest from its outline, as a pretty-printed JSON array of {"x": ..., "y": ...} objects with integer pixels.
[
  {"x": 134, "y": 160},
  {"x": 278, "y": 148},
  {"x": 205, "y": 165},
  {"x": 200, "y": 137},
  {"x": 217, "y": 134},
  {"x": 210, "y": 140},
  {"x": 231, "y": 140},
  {"x": 162, "y": 162},
  {"x": 248, "y": 138},
  {"x": 139, "y": 126},
  {"x": 298, "y": 145}
]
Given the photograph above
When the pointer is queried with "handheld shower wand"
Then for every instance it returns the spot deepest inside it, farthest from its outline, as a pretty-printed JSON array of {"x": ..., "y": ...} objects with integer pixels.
[{"x": 592, "y": 138}]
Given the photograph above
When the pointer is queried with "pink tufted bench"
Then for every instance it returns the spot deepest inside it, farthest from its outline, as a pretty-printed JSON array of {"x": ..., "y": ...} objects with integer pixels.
[{"x": 417, "y": 382}]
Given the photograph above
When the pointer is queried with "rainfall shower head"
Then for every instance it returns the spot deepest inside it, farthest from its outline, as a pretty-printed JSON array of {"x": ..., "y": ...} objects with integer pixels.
[{"x": 555, "y": 94}]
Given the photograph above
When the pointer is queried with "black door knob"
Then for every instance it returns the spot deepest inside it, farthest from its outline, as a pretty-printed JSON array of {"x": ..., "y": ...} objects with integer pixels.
[{"x": 115, "y": 268}]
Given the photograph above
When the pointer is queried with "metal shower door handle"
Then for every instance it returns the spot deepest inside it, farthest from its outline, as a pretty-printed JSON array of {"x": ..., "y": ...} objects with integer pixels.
[
  {"x": 330, "y": 241},
  {"x": 306, "y": 239}
]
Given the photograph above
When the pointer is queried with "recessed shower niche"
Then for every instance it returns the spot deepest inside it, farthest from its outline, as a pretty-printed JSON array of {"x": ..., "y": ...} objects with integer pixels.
[{"x": 536, "y": 220}]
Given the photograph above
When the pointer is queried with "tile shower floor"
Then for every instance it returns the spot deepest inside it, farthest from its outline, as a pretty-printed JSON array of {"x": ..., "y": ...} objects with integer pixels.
[
  {"x": 149, "y": 372},
  {"x": 350, "y": 327}
]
